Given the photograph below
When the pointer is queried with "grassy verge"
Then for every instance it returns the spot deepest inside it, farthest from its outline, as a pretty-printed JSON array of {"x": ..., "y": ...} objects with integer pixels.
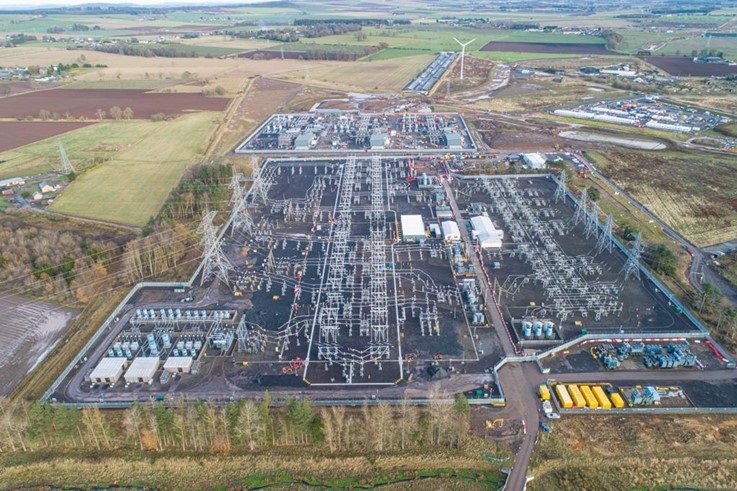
[
  {"x": 252, "y": 471},
  {"x": 687, "y": 190},
  {"x": 132, "y": 186},
  {"x": 637, "y": 452}
]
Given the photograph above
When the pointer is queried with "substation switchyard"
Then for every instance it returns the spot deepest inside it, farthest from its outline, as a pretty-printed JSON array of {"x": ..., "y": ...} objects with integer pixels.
[
  {"x": 332, "y": 131},
  {"x": 369, "y": 272},
  {"x": 561, "y": 272},
  {"x": 312, "y": 283}
]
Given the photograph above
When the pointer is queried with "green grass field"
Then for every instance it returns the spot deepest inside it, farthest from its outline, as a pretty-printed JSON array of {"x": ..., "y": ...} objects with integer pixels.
[
  {"x": 200, "y": 50},
  {"x": 728, "y": 46},
  {"x": 380, "y": 75},
  {"x": 132, "y": 186},
  {"x": 84, "y": 146},
  {"x": 434, "y": 38}
]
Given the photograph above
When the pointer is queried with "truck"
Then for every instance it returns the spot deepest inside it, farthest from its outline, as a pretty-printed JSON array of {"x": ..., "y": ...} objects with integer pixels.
[{"x": 544, "y": 392}]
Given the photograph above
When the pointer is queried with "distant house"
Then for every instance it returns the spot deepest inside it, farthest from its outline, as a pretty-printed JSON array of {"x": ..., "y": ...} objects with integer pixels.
[
  {"x": 37, "y": 196},
  {"x": 13, "y": 181},
  {"x": 7, "y": 192},
  {"x": 49, "y": 186}
]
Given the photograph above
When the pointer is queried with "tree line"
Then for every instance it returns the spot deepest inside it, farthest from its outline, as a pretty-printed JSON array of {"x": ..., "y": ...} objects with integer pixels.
[{"x": 243, "y": 425}]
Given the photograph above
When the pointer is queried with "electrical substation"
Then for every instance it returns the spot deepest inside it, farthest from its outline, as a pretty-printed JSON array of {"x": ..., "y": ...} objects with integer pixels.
[{"x": 372, "y": 271}]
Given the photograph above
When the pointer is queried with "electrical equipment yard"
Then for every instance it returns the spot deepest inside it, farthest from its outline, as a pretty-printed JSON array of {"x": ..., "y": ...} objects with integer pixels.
[{"x": 370, "y": 275}]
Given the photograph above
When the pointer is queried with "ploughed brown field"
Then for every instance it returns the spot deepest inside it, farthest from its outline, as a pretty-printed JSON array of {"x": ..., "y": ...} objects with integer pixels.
[
  {"x": 557, "y": 48},
  {"x": 15, "y": 134},
  {"x": 84, "y": 103},
  {"x": 682, "y": 66},
  {"x": 263, "y": 54}
]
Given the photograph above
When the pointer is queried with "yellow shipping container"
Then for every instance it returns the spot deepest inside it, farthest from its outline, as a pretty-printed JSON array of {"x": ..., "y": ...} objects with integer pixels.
[
  {"x": 578, "y": 400},
  {"x": 601, "y": 397},
  {"x": 544, "y": 392},
  {"x": 563, "y": 397},
  {"x": 591, "y": 401},
  {"x": 617, "y": 401}
]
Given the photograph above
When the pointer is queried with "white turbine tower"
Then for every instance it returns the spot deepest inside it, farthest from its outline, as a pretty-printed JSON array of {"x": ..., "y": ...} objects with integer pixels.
[{"x": 463, "y": 52}]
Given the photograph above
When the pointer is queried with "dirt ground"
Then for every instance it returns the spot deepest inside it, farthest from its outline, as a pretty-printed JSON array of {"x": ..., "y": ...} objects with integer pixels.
[
  {"x": 516, "y": 137},
  {"x": 681, "y": 66},
  {"x": 15, "y": 134},
  {"x": 563, "y": 48},
  {"x": 28, "y": 331},
  {"x": 84, "y": 103}
]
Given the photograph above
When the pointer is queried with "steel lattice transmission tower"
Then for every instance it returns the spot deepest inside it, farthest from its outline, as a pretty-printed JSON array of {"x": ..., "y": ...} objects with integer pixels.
[
  {"x": 592, "y": 220},
  {"x": 241, "y": 217},
  {"x": 606, "y": 240},
  {"x": 259, "y": 188},
  {"x": 214, "y": 260},
  {"x": 560, "y": 191},
  {"x": 582, "y": 210},
  {"x": 66, "y": 165},
  {"x": 632, "y": 266}
]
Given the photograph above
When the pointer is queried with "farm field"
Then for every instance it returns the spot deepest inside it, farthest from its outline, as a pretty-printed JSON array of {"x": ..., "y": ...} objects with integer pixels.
[
  {"x": 381, "y": 75},
  {"x": 15, "y": 133},
  {"x": 96, "y": 142},
  {"x": 728, "y": 46},
  {"x": 30, "y": 327},
  {"x": 132, "y": 186},
  {"x": 538, "y": 47},
  {"x": 684, "y": 66},
  {"x": 84, "y": 103},
  {"x": 636, "y": 452},
  {"x": 689, "y": 191}
]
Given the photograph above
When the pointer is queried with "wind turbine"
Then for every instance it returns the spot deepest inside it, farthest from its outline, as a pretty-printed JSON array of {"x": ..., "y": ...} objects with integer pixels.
[{"x": 463, "y": 52}]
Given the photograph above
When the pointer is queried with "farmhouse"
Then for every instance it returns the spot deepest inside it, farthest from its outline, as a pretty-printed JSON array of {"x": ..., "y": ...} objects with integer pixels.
[
  {"x": 13, "y": 181},
  {"x": 108, "y": 370},
  {"x": 49, "y": 186}
]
